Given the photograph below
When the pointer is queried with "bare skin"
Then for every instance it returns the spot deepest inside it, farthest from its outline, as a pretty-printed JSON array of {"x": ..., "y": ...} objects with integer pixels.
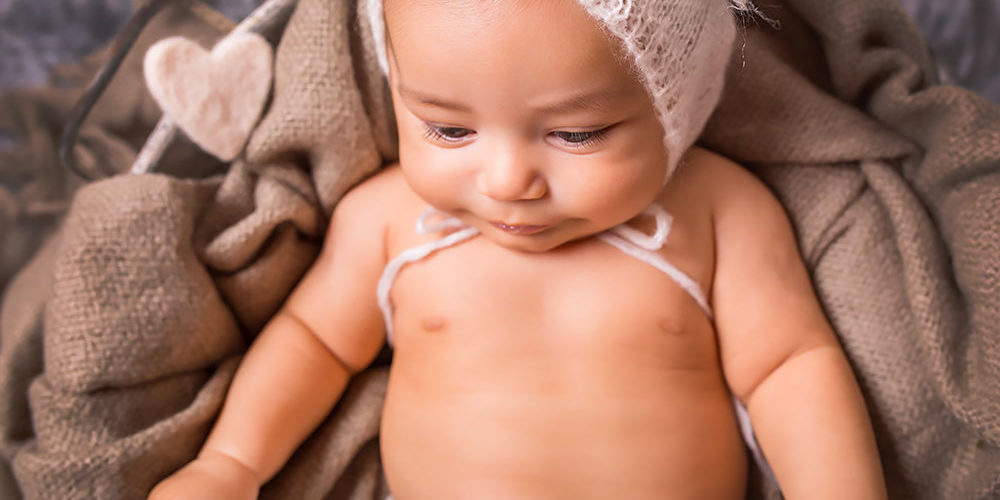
[
  {"x": 544, "y": 363},
  {"x": 578, "y": 372}
]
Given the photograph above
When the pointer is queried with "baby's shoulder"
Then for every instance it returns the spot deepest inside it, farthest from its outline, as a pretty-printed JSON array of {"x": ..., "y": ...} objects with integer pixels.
[
  {"x": 710, "y": 175},
  {"x": 383, "y": 204},
  {"x": 747, "y": 219},
  {"x": 385, "y": 182},
  {"x": 733, "y": 195},
  {"x": 379, "y": 199}
]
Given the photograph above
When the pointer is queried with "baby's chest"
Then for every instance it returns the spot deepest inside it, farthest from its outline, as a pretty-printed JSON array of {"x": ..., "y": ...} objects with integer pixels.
[{"x": 590, "y": 299}]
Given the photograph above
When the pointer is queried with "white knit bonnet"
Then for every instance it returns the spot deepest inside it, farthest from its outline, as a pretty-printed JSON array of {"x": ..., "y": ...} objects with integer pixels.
[{"x": 680, "y": 49}]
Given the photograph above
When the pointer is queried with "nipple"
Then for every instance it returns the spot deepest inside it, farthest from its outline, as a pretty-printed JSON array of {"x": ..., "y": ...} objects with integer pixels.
[{"x": 433, "y": 323}]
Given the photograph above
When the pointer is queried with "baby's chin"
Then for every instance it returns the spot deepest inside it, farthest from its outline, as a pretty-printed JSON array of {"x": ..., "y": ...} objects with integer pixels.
[{"x": 544, "y": 241}]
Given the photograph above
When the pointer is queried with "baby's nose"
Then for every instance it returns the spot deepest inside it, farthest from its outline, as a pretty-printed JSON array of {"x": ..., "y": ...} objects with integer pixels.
[{"x": 511, "y": 177}]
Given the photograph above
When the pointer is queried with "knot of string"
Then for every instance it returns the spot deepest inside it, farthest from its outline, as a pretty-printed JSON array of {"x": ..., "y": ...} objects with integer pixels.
[{"x": 651, "y": 242}]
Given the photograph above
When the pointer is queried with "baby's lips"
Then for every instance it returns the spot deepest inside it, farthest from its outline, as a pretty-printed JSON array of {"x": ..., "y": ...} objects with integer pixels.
[{"x": 519, "y": 229}]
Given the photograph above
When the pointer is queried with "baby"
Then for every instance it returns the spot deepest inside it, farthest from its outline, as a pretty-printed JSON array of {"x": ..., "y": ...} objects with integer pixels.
[{"x": 588, "y": 302}]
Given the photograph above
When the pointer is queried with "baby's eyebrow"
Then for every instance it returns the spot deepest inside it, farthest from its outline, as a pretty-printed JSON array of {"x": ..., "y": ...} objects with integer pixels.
[
  {"x": 600, "y": 99},
  {"x": 410, "y": 94}
]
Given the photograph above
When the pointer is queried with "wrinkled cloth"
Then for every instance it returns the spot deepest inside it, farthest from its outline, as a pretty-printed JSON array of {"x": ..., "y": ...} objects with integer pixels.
[
  {"x": 893, "y": 186},
  {"x": 119, "y": 337}
]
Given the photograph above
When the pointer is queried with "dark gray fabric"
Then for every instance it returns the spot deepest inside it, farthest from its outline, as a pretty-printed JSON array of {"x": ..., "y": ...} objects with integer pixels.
[
  {"x": 34, "y": 36},
  {"x": 37, "y": 35},
  {"x": 965, "y": 38}
]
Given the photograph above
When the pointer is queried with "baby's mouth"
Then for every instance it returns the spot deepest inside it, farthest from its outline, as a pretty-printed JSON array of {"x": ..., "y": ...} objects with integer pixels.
[{"x": 519, "y": 229}]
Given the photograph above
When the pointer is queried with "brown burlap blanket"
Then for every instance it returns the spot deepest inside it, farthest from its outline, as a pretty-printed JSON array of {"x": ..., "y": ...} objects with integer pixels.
[{"x": 119, "y": 336}]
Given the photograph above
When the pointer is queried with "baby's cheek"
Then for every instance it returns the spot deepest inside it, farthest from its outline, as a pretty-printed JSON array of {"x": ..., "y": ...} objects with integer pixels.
[
  {"x": 630, "y": 178},
  {"x": 435, "y": 179}
]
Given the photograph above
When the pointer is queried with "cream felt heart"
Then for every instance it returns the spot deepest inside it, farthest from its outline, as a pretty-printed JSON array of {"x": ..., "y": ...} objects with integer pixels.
[{"x": 214, "y": 97}]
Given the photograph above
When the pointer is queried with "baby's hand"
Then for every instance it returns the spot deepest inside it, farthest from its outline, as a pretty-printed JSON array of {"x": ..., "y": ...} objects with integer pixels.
[{"x": 212, "y": 475}]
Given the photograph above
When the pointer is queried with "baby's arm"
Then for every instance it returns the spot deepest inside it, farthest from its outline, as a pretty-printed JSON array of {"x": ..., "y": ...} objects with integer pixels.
[
  {"x": 780, "y": 355},
  {"x": 329, "y": 329}
]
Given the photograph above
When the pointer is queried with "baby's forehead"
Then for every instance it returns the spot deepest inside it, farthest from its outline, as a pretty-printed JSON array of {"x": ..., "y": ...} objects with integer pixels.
[
  {"x": 552, "y": 25},
  {"x": 544, "y": 44},
  {"x": 455, "y": 14},
  {"x": 488, "y": 7}
]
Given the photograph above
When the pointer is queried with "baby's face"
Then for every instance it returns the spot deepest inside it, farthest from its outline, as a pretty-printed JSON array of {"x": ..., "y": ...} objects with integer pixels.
[{"x": 517, "y": 117}]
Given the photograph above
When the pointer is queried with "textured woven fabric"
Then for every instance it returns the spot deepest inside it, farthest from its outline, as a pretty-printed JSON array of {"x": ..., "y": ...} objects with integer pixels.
[
  {"x": 893, "y": 186},
  {"x": 118, "y": 340}
]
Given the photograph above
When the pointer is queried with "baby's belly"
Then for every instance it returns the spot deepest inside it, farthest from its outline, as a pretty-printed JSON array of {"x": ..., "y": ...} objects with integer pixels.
[{"x": 467, "y": 422}]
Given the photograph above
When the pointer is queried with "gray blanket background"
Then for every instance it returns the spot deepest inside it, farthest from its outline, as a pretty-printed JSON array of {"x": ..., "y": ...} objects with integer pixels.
[{"x": 37, "y": 34}]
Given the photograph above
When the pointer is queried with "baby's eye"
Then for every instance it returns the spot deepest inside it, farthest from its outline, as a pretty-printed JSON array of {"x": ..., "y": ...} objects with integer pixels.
[
  {"x": 580, "y": 139},
  {"x": 575, "y": 137},
  {"x": 449, "y": 135}
]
